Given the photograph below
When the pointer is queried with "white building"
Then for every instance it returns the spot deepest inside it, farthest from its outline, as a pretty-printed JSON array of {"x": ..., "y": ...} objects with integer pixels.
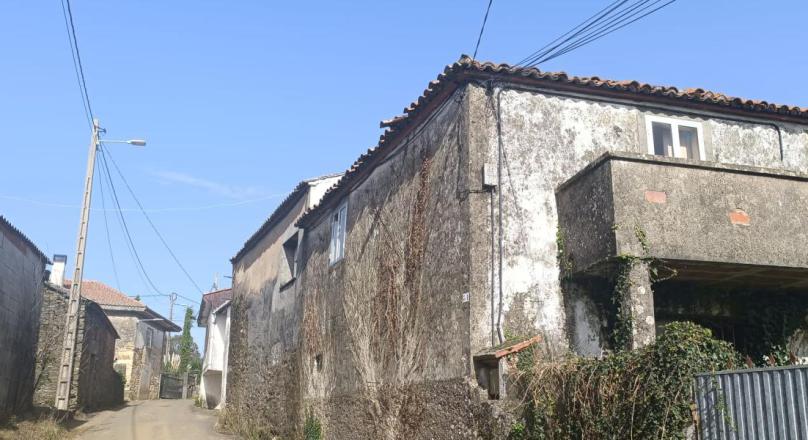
[{"x": 214, "y": 315}]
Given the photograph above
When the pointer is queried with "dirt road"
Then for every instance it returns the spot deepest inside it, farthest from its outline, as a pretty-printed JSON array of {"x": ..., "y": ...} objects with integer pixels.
[{"x": 151, "y": 420}]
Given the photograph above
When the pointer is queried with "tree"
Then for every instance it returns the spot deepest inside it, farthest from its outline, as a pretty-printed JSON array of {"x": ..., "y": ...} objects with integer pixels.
[{"x": 187, "y": 346}]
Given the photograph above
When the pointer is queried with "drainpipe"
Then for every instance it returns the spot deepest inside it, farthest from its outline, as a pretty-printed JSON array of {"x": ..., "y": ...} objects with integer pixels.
[
  {"x": 496, "y": 108},
  {"x": 499, "y": 196}
]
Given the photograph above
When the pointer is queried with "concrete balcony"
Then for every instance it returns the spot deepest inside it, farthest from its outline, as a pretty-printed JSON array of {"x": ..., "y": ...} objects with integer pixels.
[
  {"x": 689, "y": 236},
  {"x": 709, "y": 221}
]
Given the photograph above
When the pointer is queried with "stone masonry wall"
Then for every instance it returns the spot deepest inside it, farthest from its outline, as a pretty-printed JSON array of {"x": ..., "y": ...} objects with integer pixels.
[
  {"x": 546, "y": 138},
  {"x": 387, "y": 325},
  {"x": 21, "y": 273},
  {"x": 95, "y": 383}
]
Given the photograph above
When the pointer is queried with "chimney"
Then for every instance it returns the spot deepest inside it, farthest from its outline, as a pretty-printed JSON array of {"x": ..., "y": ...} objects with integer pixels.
[{"x": 57, "y": 275}]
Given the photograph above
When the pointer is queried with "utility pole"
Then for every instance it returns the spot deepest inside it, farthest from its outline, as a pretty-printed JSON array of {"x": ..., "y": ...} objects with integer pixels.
[
  {"x": 172, "y": 298},
  {"x": 73, "y": 305},
  {"x": 71, "y": 328}
]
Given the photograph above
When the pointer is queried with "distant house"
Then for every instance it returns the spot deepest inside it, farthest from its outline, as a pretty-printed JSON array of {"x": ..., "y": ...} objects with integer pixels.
[
  {"x": 22, "y": 268},
  {"x": 95, "y": 384},
  {"x": 214, "y": 315},
  {"x": 139, "y": 351}
]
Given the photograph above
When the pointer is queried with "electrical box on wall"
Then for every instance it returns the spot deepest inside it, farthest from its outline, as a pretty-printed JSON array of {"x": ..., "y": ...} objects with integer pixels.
[{"x": 489, "y": 176}]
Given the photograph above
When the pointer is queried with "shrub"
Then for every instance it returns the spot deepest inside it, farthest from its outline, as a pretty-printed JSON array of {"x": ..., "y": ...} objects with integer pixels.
[{"x": 640, "y": 394}]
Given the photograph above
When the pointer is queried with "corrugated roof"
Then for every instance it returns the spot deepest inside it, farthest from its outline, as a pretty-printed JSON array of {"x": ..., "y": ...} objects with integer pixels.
[
  {"x": 279, "y": 213},
  {"x": 466, "y": 70},
  {"x": 24, "y": 238}
]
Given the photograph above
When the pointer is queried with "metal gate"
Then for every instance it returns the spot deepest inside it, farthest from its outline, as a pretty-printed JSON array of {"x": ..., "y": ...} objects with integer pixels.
[
  {"x": 170, "y": 386},
  {"x": 753, "y": 404}
]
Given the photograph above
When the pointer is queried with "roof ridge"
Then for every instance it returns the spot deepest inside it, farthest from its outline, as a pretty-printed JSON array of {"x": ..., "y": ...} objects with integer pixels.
[
  {"x": 24, "y": 238},
  {"x": 466, "y": 69}
]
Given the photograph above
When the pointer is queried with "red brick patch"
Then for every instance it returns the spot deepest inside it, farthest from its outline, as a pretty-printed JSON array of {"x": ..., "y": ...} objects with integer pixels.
[
  {"x": 656, "y": 196},
  {"x": 739, "y": 217}
]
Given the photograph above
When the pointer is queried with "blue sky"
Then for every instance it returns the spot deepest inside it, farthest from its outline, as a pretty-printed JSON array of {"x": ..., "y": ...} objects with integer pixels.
[{"x": 241, "y": 100}]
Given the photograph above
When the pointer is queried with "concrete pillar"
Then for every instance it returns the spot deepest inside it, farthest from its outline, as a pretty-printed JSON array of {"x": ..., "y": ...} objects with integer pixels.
[{"x": 637, "y": 303}]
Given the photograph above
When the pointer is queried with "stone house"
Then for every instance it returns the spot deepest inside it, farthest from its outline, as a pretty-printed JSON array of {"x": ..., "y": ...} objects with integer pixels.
[
  {"x": 264, "y": 302},
  {"x": 96, "y": 384},
  {"x": 142, "y": 335},
  {"x": 214, "y": 315},
  {"x": 513, "y": 204},
  {"x": 22, "y": 270}
]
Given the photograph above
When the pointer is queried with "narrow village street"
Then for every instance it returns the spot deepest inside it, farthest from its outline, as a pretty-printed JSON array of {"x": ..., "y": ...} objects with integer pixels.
[{"x": 151, "y": 420}]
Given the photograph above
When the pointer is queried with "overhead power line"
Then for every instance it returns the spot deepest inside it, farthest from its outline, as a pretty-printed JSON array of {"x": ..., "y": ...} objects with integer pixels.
[
  {"x": 149, "y": 220},
  {"x": 125, "y": 227},
  {"x": 152, "y": 210},
  {"x": 482, "y": 28},
  {"x": 106, "y": 229},
  {"x": 613, "y": 17},
  {"x": 67, "y": 12}
]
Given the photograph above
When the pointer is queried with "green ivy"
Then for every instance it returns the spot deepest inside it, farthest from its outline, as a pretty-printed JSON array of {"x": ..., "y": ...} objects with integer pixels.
[
  {"x": 641, "y": 394},
  {"x": 312, "y": 429}
]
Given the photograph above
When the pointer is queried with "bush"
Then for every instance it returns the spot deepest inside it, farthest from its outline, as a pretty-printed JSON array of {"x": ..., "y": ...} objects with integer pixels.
[{"x": 640, "y": 394}]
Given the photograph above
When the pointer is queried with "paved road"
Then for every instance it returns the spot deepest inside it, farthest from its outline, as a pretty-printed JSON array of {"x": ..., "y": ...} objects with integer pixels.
[{"x": 151, "y": 420}]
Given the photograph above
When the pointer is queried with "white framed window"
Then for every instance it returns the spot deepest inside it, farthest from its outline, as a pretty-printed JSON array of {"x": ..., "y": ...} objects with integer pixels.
[
  {"x": 674, "y": 138},
  {"x": 338, "y": 222}
]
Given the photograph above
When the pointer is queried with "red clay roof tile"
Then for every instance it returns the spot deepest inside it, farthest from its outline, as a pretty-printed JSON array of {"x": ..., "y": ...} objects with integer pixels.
[{"x": 466, "y": 69}]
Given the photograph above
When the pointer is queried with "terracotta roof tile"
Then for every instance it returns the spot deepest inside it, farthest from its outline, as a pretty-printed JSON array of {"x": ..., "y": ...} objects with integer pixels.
[
  {"x": 467, "y": 70},
  {"x": 104, "y": 295}
]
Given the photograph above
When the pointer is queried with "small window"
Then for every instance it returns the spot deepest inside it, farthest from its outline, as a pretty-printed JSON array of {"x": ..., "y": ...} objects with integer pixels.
[
  {"x": 149, "y": 342},
  {"x": 338, "y": 222},
  {"x": 290, "y": 254},
  {"x": 674, "y": 138}
]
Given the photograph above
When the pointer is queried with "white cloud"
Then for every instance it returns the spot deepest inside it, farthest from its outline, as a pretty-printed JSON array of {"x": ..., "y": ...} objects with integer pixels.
[{"x": 222, "y": 189}]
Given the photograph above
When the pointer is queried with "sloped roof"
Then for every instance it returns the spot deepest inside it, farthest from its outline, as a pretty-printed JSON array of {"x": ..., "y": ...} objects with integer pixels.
[
  {"x": 65, "y": 293},
  {"x": 105, "y": 295},
  {"x": 210, "y": 302},
  {"x": 279, "y": 213},
  {"x": 23, "y": 238},
  {"x": 111, "y": 299},
  {"x": 466, "y": 70}
]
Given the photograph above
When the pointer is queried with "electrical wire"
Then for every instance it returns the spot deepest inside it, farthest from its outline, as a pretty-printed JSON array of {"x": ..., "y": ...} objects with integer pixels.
[
  {"x": 67, "y": 12},
  {"x": 595, "y": 17},
  {"x": 149, "y": 220},
  {"x": 613, "y": 17},
  {"x": 122, "y": 225},
  {"x": 615, "y": 27},
  {"x": 480, "y": 37},
  {"x": 123, "y": 221},
  {"x": 106, "y": 230},
  {"x": 152, "y": 210}
]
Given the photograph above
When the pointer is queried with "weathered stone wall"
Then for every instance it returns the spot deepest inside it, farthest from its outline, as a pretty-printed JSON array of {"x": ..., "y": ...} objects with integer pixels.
[
  {"x": 21, "y": 273},
  {"x": 545, "y": 139},
  {"x": 367, "y": 344},
  {"x": 143, "y": 364},
  {"x": 266, "y": 313},
  {"x": 126, "y": 326},
  {"x": 99, "y": 386},
  {"x": 95, "y": 384},
  {"x": 384, "y": 326}
]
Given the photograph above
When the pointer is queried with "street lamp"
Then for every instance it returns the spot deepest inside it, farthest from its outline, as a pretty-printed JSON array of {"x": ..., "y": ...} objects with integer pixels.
[
  {"x": 71, "y": 328},
  {"x": 135, "y": 142}
]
